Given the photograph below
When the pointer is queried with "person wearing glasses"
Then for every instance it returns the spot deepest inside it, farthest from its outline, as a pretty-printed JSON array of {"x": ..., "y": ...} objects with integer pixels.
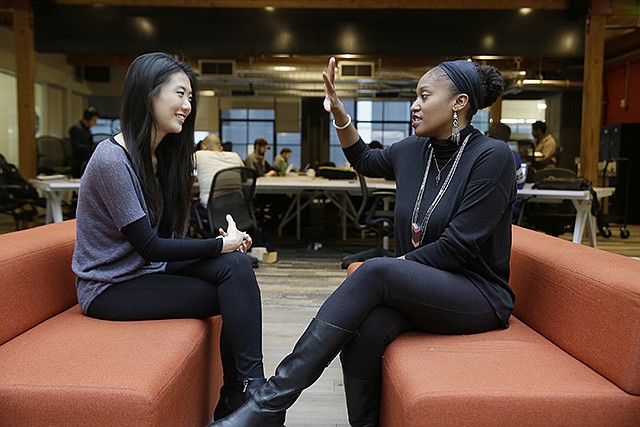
[
  {"x": 455, "y": 188},
  {"x": 130, "y": 258}
]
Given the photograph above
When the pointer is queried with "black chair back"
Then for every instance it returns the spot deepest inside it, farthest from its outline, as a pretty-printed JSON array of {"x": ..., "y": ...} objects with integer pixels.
[
  {"x": 232, "y": 192},
  {"x": 372, "y": 212},
  {"x": 52, "y": 156},
  {"x": 375, "y": 213}
]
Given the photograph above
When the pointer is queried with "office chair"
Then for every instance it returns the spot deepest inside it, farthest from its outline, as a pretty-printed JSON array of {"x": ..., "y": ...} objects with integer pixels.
[
  {"x": 232, "y": 192},
  {"x": 18, "y": 199},
  {"x": 551, "y": 218},
  {"x": 373, "y": 214},
  {"x": 52, "y": 156}
]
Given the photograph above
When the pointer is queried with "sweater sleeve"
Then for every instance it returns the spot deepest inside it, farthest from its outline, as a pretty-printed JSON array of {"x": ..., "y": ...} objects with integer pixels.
[
  {"x": 153, "y": 248},
  {"x": 370, "y": 162}
]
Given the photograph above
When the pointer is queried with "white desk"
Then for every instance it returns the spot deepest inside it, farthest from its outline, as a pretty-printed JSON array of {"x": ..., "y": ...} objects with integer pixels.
[
  {"x": 298, "y": 186},
  {"x": 581, "y": 201},
  {"x": 338, "y": 191},
  {"x": 308, "y": 188},
  {"x": 55, "y": 191}
]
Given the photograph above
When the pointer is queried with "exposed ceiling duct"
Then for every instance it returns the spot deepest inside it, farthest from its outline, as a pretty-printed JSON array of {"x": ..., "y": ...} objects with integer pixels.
[
  {"x": 268, "y": 79},
  {"x": 262, "y": 77},
  {"x": 517, "y": 86}
]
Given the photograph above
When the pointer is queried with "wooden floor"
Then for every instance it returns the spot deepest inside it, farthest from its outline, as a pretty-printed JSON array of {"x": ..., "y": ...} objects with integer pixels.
[{"x": 296, "y": 285}]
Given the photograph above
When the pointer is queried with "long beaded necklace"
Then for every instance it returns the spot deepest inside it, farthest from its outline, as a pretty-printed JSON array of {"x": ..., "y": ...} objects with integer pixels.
[{"x": 418, "y": 231}]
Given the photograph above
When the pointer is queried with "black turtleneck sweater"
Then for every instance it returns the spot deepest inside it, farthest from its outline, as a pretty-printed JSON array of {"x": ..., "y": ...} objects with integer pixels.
[{"x": 470, "y": 229}]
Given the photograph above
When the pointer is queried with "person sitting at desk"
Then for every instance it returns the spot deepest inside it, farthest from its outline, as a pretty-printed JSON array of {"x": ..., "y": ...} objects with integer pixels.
[
  {"x": 210, "y": 159},
  {"x": 257, "y": 159},
  {"x": 281, "y": 162},
  {"x": 545, "y": 146},
  {"x": 502, "y": 132}
]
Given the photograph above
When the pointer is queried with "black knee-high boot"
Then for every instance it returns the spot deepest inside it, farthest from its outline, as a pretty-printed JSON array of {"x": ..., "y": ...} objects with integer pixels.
[
  {"x": 315, "y": 349},
  {"x": 363, "y": 401}
]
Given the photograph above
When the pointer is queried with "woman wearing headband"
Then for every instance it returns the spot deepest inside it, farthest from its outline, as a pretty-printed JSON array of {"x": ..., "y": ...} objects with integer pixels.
[{"x": 455, "y": 188}]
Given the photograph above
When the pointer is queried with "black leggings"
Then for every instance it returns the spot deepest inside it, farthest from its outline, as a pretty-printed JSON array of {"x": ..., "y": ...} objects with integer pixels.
[
  {"x": 388, "y": 296},
  {"x": 198, "y": 289}
]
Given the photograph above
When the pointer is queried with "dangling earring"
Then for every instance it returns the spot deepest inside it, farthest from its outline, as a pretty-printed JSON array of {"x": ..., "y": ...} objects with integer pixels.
[{"x": 455, "y": 131}]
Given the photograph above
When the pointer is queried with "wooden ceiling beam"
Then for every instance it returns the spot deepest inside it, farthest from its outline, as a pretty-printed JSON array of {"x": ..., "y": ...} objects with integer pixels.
[{"x": 333, "y": 4}]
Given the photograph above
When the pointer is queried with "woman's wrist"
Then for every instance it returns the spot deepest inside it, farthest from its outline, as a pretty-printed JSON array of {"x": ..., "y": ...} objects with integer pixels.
[{"x": 345, "y": 121}]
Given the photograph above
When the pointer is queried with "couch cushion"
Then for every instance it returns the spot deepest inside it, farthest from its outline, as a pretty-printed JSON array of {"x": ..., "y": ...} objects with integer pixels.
[
  {"x": 75, "y": 370},
  {"x": 512, "y": 377},
  {"x": 36, "y": 281},
  {"x": 585, "y": 300}
]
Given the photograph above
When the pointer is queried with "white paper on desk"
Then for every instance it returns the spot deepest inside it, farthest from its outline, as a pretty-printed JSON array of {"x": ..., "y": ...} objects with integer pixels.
[{"x": 55, "y": 177}]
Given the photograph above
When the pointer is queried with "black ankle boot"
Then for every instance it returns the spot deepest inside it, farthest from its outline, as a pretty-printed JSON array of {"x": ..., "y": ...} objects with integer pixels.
[
  {"x": 363, "y": 401},
  {"x": 234, "y": 395},
  {"x": 315, "y": 349},
  {"x": 231, "y": 398}
]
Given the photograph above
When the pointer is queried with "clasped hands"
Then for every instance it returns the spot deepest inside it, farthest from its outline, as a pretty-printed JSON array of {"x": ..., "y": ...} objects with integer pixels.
[{"x": 234, "y": 239}]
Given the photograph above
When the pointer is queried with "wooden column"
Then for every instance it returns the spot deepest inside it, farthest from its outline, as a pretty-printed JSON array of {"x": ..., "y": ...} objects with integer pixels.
[
  {"x": 496, "y": 111},
  {"x": 592, "y": 95},
  {"x": 25, "y": 70}
]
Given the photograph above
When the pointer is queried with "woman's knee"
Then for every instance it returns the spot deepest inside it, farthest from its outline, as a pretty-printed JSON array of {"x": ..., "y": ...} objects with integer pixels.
[
  {"x": 234, "y": 266},
  {"x": 237, "y": 264},
  {"x": 378, "y": 268},
  {"x": 239, "y": 259}
]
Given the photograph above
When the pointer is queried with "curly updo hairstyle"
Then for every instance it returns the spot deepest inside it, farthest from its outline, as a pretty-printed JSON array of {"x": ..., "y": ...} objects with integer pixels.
[{"x": 491, "y": 83}]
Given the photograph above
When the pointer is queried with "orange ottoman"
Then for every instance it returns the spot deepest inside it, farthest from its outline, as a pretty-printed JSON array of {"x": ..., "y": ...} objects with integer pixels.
[{"x": 61, "y": 368}]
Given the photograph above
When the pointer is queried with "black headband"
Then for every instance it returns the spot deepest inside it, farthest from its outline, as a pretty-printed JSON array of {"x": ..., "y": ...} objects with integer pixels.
[{"x": 464, "y": 75}]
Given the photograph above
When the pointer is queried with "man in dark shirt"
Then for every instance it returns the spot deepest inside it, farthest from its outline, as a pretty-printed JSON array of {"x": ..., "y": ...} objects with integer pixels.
[
  {"x": 257, "y": 160},
  {"x": 82, "y": 144}
]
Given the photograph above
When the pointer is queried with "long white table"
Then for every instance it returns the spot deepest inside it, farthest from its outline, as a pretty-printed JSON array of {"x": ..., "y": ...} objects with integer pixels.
[
  {"x": 581, "y": 201},
  {"x": 305, "y": 188}
]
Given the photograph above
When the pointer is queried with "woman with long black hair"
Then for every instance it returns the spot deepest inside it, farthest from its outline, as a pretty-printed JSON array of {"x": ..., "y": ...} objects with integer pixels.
[{"x": 131, "y": 258}]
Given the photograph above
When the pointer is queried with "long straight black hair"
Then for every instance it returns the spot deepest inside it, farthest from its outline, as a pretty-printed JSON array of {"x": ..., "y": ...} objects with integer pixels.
[{"x": 167, "y": 192}]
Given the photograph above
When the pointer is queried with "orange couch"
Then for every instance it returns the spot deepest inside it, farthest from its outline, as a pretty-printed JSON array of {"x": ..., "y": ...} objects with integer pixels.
[
  {"x": 60, "y": 368},
  {"x": 571, "y": 356}
]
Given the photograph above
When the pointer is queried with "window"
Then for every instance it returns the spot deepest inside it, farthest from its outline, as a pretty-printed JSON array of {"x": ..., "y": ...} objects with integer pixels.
[
  {"x": 520, "y": 114},
  {"x": 105, "y": 128},
  {"x": 9, "y": 117},
  {"x": 243, "y": 126},
  {"x": 292, "y": 140},
  {"x": 384, "y": 121},
  {"x": 481, "y": 120}
]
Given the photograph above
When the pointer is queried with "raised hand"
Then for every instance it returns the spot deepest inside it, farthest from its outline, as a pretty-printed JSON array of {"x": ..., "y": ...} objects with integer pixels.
[{"x": 329, "y": 77}]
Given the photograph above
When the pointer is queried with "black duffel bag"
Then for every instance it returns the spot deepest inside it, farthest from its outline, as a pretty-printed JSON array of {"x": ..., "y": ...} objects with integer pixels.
[
  {"x": 551, "y": 182},
  {"x": 335, "y": 173}
]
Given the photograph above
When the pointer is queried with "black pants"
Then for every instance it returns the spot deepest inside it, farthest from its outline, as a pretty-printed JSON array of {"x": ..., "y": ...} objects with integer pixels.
[
  {"x": 198, "y": 289},
  {"x": 388, "y": 296}
]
